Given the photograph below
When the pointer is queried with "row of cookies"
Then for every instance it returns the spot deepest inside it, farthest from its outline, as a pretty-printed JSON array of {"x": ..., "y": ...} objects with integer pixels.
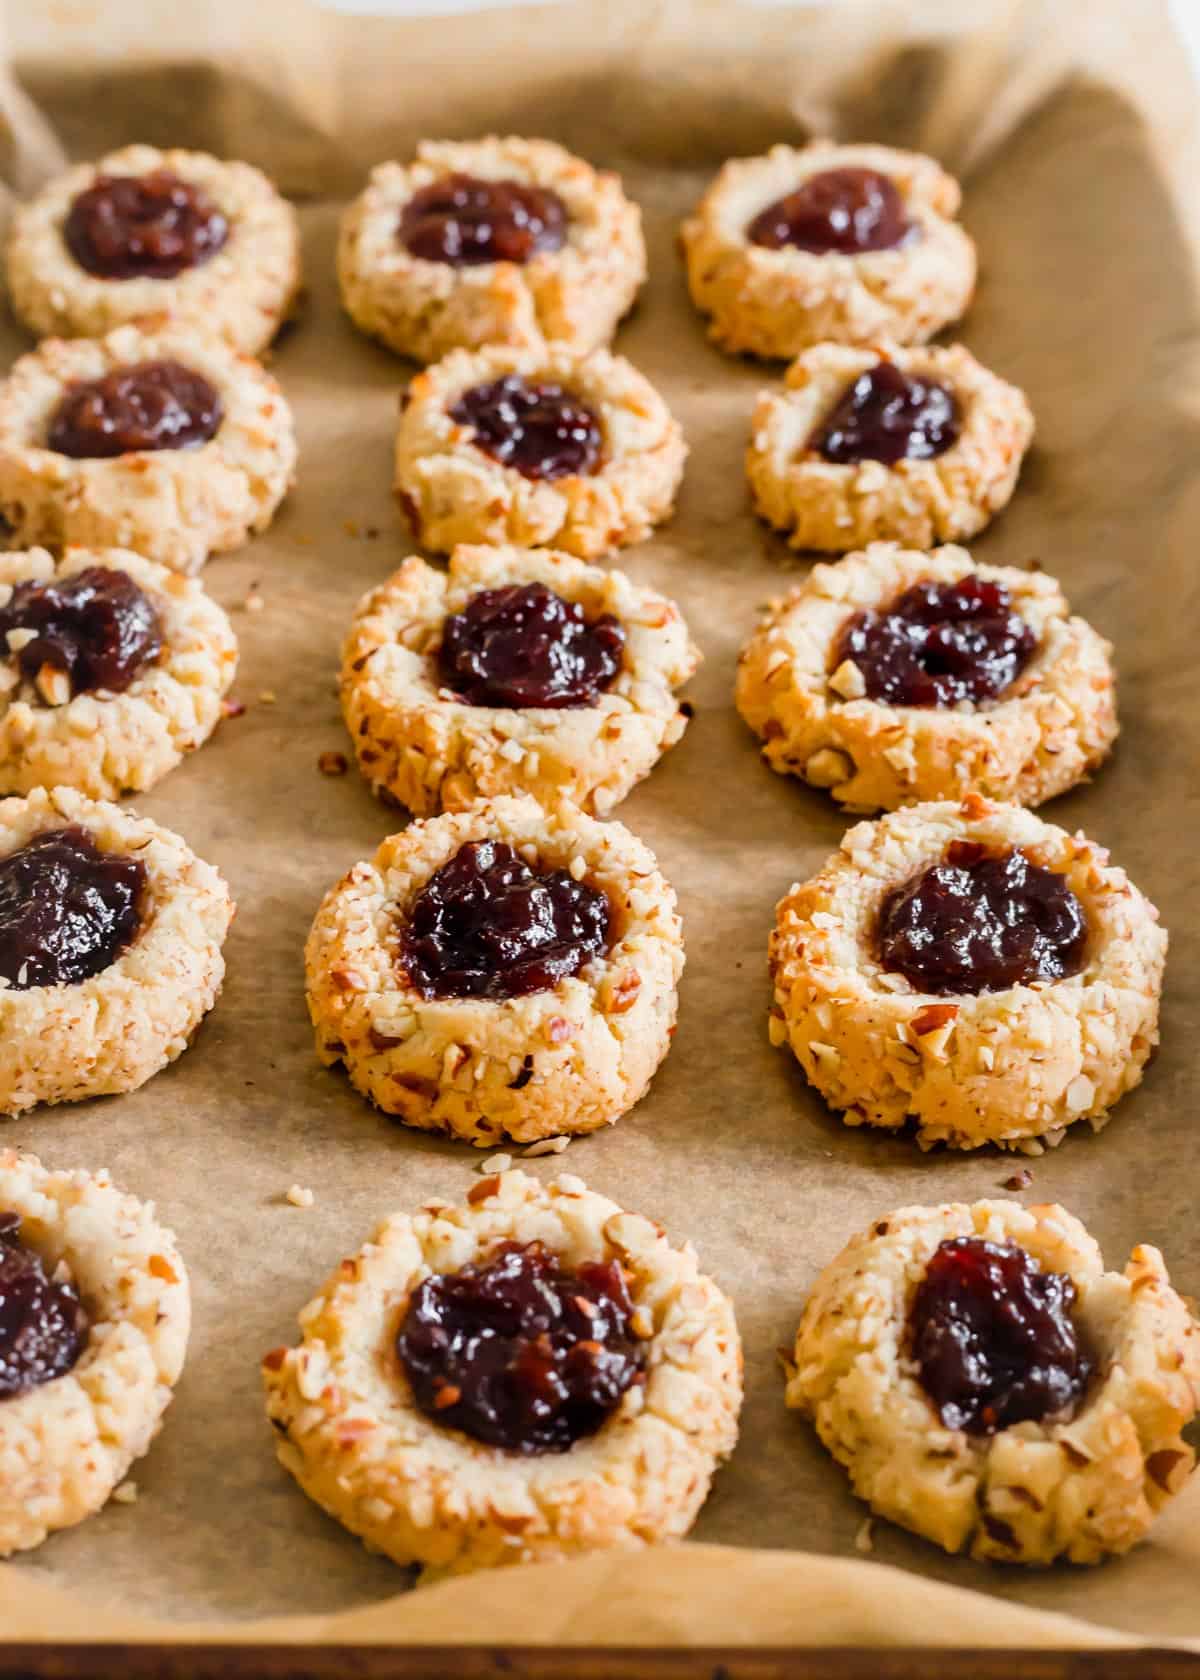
[
  {"x": 892, "y": 677},
  {"x": 537, "y": 1373},
  {"x": 500, "y": 242},
  {"x": 968, "y": 968},
  {"x": 510, "y": 970},
  {"x": 161, "y": 439}
]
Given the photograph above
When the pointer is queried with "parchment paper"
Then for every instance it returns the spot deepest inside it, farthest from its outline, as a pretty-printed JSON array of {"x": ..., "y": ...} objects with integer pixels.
[{"x": 1072, "y": 125}]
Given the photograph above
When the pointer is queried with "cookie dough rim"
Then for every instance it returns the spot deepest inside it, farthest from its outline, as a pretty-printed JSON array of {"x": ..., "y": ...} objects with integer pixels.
[
  {"x": 1077, "y": 1488},
  {"x": 455, "y": 1503},
  {"x": 549, "y": 1064},
  {"x": 113, "y": 1031},
  {"x": 174, "y": 506},
  {"x": 836, "y": 507},
  {"x": 244, "y": 292},
  {"x": 427, "y": 747},
  {"x": 453, "y": 492},
  {"x": 1013, "y": 1068},
  {"x": 1043, "y": 734},
  {"x": 775, "y": 303},
  {"x": 88, "y": 1426},
  {"x": 171, "y": 708},
  {"x": 579, "y": 292}
]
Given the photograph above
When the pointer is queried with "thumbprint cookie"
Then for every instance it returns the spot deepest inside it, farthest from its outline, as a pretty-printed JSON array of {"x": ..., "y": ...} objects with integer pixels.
[
  {"x": 917, "y": 446},
  {"x": 110, "y": 948},
  {"x": 158, "y": 438},
  {"x": 94, "y": 1318},
  {"x": 514, "y": 671},
  {"x": 528, "y": 1376},
  {"x": 505, "y": 971},
  {"x": 111, "y": 670},
  {"x": 845, "y": 244},
  {"x": 493, "y": 241},
  {"x": 534, "y": 447},
  {"x": 896, "y": 676},
  {"x": 971, "y": 970},
  {"x": 145, "y": 233},
  {"x": 988, "y": 1385}
]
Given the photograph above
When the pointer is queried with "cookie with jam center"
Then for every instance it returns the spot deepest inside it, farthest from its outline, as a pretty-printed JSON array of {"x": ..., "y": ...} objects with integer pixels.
[
  {"x": 144, "y": 233},
  {"x": 95, "y": 1310},
  {"x": 515, "y": 671},
  {"x": 157, "y": 438},
  {"x": 110, "y": 948},
  {"x": 507, "y": 971},
  {"x": 531, "y": 1374},
  {"x": 499, "y": 241},
  {"x": 918, "y": 446},
  {"x": 828, "y": 244},
  {"x": 112, "y": 669},
  {"x": 987, "y": 1384},
  {"x": 970, "y": 972},
  {"x": 897, "y": 676},
  {"x": 536, "y": 448}
]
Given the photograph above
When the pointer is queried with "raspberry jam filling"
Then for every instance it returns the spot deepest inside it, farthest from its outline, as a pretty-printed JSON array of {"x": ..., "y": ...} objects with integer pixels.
[
  {"x": 846, "y": 210},
  {"x": 97, "y": 627},
  {"x": 542, "y": 430},
  {"x": 487, "y": 925},
  {"x": 462, "y": 220},
  {"x": 43, "y": 1327},
  {"x": 129, "y": 227},
  {"x": 939, "y": 644},
  {"x": 151, "y": 405},
  {"x": 981, "y": 921},
  {"x": 67, "y": 909},
  {"x": 994, "y": 1339},
  {"x": 523, "y": 645},
  {"x": 888, "y": 416},
  {"x": 521, "y": 1352}
]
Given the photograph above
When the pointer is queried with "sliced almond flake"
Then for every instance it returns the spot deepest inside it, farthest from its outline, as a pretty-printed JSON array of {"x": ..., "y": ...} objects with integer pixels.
[{"x": 546, "y": 1146}]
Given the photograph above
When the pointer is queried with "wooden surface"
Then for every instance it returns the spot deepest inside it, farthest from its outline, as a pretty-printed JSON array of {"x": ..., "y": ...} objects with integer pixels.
[{"x": 373, "y": 1662}]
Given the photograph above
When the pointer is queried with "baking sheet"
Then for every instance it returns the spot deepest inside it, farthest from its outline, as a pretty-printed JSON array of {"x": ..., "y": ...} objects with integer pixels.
[{"x": 1072, "y": 123}]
